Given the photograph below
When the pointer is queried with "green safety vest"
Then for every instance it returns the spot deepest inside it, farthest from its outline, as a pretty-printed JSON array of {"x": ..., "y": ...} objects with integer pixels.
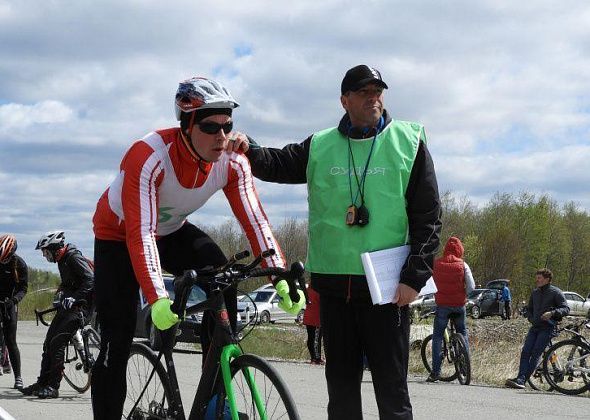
[{"x": 333, "y": 246}]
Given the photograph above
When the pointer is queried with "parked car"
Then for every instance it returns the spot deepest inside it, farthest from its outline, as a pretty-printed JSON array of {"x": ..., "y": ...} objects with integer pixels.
[
  {"x": 424, "y": 304},
  {"x": 265, "y": 301},
  {"x": 189, "y": 330},
  {"x": 578, "y": 305},
  {"x": 485, "y": 302}
]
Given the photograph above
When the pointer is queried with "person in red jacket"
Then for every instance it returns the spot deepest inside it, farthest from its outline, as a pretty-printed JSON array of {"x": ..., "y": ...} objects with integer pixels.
[
  {"x": 311, "y": 320},
  {"x": 454, "y": 281}
]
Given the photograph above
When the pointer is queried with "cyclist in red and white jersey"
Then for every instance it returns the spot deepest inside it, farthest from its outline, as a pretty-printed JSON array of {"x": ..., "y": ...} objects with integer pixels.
[{"x": 140, "y": 226}]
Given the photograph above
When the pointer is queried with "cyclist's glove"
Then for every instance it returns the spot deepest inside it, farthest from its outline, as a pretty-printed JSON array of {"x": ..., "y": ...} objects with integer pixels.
[
  {"x": 162, "y": 317},
  {"x": 68, "y": 302},
  {"x": 286, "y": 304}
]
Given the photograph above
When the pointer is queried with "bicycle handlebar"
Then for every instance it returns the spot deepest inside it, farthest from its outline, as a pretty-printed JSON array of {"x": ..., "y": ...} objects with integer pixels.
[
  {"x": 231, "y": 273},
  {"x": 39, "y": 314}
]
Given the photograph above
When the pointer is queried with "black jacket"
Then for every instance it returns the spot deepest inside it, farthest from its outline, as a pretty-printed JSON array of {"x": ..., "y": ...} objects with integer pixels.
[
  {"x": 14, "y": 279},
  {"x": 289, "y": 165},
  {"x": 77, "y": 277},
  {"x": 543, "y": 299}
]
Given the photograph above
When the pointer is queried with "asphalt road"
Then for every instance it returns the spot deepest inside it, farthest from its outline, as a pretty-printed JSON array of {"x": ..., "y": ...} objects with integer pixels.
[{"x": 307, "y": 383}]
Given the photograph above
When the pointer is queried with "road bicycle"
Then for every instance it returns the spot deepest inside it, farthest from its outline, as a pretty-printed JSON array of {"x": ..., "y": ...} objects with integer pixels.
[
  {"x": 80, "y": 352},
  {"x": 233, "y": 385},
  {"x": 455, "y": 363},
  {"x": 567, "y": 363}
]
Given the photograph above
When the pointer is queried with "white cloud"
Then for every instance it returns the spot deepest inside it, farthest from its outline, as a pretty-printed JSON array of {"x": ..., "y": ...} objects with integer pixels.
[{"x": 17, "y": 116}]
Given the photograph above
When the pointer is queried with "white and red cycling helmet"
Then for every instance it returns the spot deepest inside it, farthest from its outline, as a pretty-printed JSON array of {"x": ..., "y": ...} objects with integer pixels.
[
  {"x": 201, "y": 93},
  {"x": 7, "y": 247}
]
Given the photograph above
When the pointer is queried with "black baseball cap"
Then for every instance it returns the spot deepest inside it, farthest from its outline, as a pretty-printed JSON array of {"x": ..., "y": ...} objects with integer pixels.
[{"x": 359, "y": 76}]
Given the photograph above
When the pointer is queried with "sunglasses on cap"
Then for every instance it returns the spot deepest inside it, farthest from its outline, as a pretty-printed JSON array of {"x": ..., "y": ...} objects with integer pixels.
[{"x": 210, "y": 127}]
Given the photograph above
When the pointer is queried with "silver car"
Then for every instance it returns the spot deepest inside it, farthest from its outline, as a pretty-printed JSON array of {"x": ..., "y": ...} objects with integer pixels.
[
  {"x": 578, "y": 305},
  {"x": 265, "y": 301}
]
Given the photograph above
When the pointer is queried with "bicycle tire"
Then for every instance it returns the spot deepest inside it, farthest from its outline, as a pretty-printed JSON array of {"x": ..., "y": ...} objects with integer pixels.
[
  {"x": 448, "y": 372},
  {"x": 563, "y": 374},
  {"x": 154, "y": 403},
  {"x": 74, "y": 372},
  {"x": 462, "y": 359},
  {"x": 273, "y": 390}
]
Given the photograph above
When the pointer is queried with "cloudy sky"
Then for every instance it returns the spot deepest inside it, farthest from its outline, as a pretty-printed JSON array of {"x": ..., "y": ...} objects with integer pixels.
[{"x": 502, "y": 87}]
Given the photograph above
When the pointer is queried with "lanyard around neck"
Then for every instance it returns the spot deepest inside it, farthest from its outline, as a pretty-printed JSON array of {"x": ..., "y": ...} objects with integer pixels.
[{"x": 360, "y": 184}]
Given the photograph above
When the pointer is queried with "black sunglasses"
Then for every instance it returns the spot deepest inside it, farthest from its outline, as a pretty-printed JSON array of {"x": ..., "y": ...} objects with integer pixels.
[{"x": 209, "y": 127}]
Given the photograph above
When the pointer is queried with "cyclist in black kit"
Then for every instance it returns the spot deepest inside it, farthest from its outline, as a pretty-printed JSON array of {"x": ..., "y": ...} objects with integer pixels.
[
  {"x": 77, "y": 282},
  {"x": 13, "y": 288}
]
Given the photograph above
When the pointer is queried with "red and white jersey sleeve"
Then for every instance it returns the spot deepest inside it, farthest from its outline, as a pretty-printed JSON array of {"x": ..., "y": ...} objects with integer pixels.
[{"x": 243, "y": 198}]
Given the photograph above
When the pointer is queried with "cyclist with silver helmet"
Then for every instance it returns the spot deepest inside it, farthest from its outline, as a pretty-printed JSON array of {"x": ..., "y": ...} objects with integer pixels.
[
  {"x": 74, "y": 295},
  {"x": 14, "y": 280},
  {"x": 140, "y": 226}
]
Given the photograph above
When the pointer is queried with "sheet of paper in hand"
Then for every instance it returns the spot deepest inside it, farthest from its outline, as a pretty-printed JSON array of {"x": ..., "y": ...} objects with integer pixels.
[{"x": 382, "y": 269}]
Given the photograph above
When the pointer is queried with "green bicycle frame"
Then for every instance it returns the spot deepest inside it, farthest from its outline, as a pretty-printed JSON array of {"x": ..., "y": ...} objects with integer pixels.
[{"x": 230, "y": 352}]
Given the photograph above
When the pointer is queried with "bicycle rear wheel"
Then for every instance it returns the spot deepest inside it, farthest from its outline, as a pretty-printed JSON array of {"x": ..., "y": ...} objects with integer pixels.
[
  {"x": 447, "y": 368},
  {"x": 275, "y": 398},
  {"x": 462, "y": 360},
  {"x": 74, "y": 372},
  {"x": 151, "y": 401},
  {"x": 567, "y": 366}
]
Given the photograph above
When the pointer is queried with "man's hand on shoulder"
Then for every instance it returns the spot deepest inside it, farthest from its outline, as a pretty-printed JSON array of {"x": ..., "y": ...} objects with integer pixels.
[
  {"x": 405, "y": 294},
  {"x": 238, "y": 142}
]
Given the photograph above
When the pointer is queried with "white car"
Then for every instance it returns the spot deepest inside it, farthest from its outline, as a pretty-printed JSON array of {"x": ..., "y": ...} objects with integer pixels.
[
  {"x": 265, "y": 300},
  {"x": 578, "y": 305}
]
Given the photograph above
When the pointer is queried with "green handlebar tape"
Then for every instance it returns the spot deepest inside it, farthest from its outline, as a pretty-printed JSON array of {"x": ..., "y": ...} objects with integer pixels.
[
  {"x": 162, "y": 317},
  {"x": 286, "y": 304}
]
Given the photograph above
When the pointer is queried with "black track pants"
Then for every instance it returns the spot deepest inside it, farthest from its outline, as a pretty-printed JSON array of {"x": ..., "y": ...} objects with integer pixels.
[
  {"x": 64, "y": 325},
  {"x": 381, "y": 332}
]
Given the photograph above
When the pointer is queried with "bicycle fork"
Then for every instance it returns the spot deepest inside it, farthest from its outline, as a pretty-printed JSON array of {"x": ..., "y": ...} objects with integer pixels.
[{"x": 230, "y": 352}]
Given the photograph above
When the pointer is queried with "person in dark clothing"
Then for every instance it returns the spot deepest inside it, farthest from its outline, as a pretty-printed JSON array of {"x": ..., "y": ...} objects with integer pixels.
[
  {"x": 547, "y": 306},
  {"x": 371, "y": 185},
  {"x": 73, "y": 299},
  {"x": 14, "y": 280},
  {"x": 506, "y": 300},
  {"x": 311, "y": 320}
]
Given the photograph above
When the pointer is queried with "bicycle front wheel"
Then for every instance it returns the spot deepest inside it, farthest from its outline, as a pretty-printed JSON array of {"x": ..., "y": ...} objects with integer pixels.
[
  {"x": 275, "y": 400},
  {"x": 74, "y": 372},
  {"x": 567, "y": 366},
  {"x": 148, "y": 389},
  {"x": 462, "y": 360},
  {"x": 447, "y": 367}
]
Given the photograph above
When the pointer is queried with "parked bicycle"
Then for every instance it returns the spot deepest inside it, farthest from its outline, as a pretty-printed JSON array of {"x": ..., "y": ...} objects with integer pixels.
[
  {"x": 456, "y": 363},
  {"x": 567, "y": 363},
  {"x": 233, "y": 385},
  {"x": 80, "y": 352}
]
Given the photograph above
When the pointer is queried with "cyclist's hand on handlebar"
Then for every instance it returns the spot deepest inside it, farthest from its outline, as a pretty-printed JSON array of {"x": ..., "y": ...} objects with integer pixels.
[
  {"x": 162, "y": 317},
  {"x": 68, "y": 302},
  {"x": 286, "y": 304},
  {"x": 405, "y": 295}
]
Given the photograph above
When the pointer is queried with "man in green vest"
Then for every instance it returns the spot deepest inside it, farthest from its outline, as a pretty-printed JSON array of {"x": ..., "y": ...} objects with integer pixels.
[{"x": 371, "y": 186}]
